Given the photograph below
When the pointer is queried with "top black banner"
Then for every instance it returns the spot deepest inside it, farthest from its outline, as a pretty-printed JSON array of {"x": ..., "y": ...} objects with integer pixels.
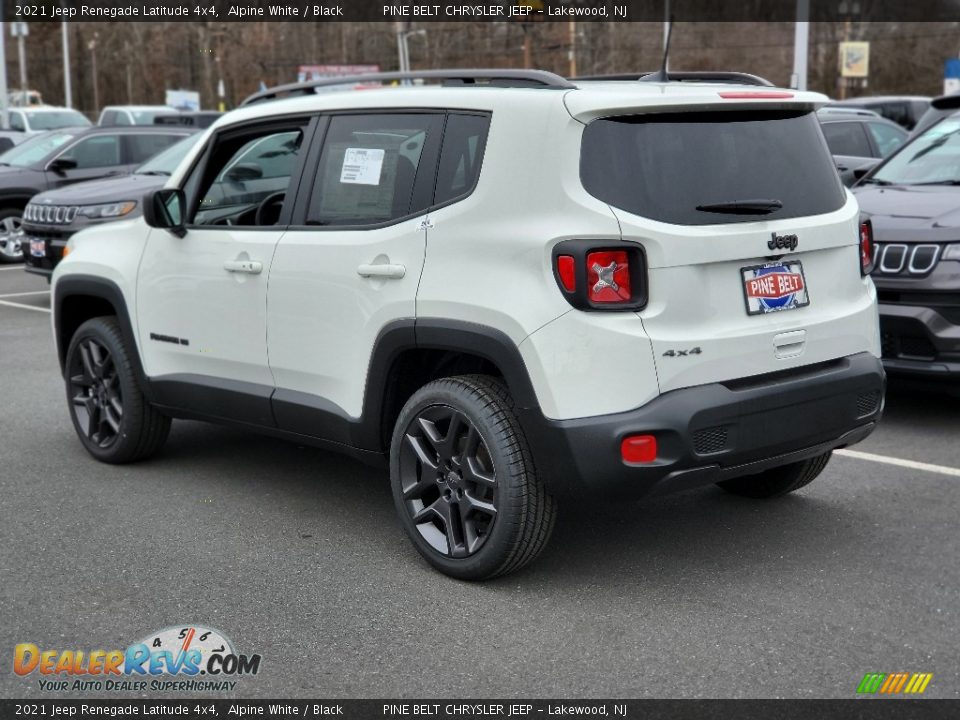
[{"x": 523, "y": 11}]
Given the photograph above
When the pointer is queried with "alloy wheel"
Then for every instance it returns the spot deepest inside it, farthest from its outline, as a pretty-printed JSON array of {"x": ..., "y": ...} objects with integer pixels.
[
  {"x": 95, "y": 393},
  {"x": 448, "y": 480},
  {"x": 11, "y": 237}
]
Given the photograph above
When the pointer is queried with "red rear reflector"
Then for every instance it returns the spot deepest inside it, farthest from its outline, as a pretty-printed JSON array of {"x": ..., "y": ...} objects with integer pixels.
[
  {"x": 566, "y": 269},
  {"x": 639, "y": 449},
  {"x": 866, "y": 247},
  {"x": 608, "y": 276},
  {"x": 755, "y": 95}
]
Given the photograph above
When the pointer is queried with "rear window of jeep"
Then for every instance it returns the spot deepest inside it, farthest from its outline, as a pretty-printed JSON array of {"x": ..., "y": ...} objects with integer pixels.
[{"x": 666, "y": 166}]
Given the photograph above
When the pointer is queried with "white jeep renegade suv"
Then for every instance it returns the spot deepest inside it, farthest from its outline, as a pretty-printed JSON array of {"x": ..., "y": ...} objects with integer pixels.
[{"x": 508, "y": 287}]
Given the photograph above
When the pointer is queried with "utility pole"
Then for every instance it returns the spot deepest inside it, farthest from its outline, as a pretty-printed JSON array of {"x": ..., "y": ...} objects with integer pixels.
[
  {"x": 67, "y": 88},
  {"x": 92, "y": 46},
  {"x": 572, "y": 53},
  {"x": 21, "y": 30},
  {"x": 801, "y": 44},
  {"x": 4, "y": 98}
]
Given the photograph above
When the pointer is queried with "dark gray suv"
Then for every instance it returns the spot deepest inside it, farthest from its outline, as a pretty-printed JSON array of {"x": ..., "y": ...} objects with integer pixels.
[{"x": 59, "y": 158}]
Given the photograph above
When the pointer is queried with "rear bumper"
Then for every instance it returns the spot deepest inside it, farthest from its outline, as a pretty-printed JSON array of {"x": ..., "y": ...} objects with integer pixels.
[{"x": 713, "y": 432}]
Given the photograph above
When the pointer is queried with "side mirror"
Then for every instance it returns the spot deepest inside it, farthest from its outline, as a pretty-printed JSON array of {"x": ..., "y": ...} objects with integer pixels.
[
  {"x": 62, "y": 164},
  {"x": 165, "y": 209},
  {"x": 860, "y": 172},
  {"x": 244, "y": 171}
]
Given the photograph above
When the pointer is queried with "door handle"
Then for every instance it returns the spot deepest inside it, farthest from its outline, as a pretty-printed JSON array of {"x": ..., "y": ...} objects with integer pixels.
[
  {"x": 381, "y": 270},
  {"x": 251, "y": 267}
]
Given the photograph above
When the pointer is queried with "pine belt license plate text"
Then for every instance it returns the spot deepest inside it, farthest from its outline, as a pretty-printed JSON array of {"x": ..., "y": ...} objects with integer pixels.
[
  {"x": 774, "y": 287},
  {"x": 38, "y": 248}
]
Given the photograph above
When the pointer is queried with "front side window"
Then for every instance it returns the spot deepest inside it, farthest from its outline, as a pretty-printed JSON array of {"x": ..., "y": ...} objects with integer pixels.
[
  {"x": 95, "y": 152},
  {"x": 886, "y": 138},
  {"x": 697, "y": 168},
  {"x": 245, "y": 174},
  {"x": 373, "y": 170}
]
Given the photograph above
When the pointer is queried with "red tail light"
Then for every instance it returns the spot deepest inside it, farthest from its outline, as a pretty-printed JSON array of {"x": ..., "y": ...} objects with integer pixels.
[
  {"x": 601, "y": 275},
  {"x": 567, "y": 270},
  {"x": 866, "y": 247},
  {"x": 608, "y": 277},
  {"x": 638, "y": 449}
]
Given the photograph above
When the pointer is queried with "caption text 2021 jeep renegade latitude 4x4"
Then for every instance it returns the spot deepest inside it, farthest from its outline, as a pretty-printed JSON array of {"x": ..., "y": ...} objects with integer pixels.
[{"x": 508, "y": 291}]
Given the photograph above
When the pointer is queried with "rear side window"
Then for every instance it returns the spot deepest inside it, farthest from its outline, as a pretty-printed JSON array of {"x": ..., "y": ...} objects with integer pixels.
[
  {"x": 374, "y": 168},
  {"x": 663, "y": 166},
  {"x": 847, "y": 138},
  {"x": 141, "y": 148},
  {"x": 463, "y": 142}
]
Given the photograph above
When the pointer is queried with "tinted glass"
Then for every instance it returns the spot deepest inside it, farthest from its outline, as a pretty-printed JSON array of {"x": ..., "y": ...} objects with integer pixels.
[
  {"x": 35, "y": 149},
  {"x": 663, "y": 166},
  {"x": 246, "y": 171},
  {"x": 932, "y": 157},
  {"x": 886, "y": 138},
  {"x": 847, "y": 138},
  {"x": 141, "y": 148},
  {"x": 460, "y": 158},
  {"x": 95, "y": 152},
  {"x": 16, "y": 122},
  {"x": 109, "y": 117},
  {"x": 52, "y": 120},
  {"x": 369, "y": 168}
]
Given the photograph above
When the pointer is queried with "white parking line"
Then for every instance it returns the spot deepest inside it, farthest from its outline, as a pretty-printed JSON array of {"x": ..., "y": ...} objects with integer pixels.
[
  {"x": 34, "y": 292},
  {"x": 14, "y": 267},
  {"x": 23, "y": 307},
  {"x": 899, "y": 462}
]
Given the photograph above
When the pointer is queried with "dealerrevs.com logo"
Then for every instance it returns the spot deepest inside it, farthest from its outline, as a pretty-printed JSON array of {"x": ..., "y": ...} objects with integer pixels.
[{"x": 187, "y": 658}]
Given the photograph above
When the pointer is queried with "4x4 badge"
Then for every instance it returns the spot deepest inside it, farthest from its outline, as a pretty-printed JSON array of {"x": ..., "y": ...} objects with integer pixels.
[{"x": 789, "y": 242}]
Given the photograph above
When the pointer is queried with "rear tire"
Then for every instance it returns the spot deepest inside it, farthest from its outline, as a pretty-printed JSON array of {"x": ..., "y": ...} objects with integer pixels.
[
  {"x": 777, "y": 481},
  {"x": 463, "y": 480},
  {"x": 113, "y": 419}
]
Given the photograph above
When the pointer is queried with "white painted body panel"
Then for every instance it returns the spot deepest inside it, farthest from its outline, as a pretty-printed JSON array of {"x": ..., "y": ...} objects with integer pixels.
[
  {"x": 184, "y": 291},
  {"x": 324, "y": 317}
]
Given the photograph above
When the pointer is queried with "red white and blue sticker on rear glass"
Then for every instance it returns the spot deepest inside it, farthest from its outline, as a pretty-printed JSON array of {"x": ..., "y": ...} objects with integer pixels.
[{"x": 774, "y": 287}]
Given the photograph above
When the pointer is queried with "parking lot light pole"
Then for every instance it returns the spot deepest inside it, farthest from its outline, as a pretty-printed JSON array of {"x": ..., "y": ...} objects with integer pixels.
[
  {"x": 92, "y": 46},
  {"x": 801, "y": 42},
  {"x": 4, "y": 99},
  {"x": 67, "y": 87}
]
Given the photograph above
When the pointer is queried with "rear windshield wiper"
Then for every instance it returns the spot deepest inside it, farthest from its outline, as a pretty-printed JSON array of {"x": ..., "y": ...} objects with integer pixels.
[
  {"x": 743, "y": 207},
  {"x": 875, "y": 181}
]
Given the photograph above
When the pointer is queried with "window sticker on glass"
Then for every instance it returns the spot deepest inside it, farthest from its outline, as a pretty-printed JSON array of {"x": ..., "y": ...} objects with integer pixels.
[{"x": 361, "y": 166}]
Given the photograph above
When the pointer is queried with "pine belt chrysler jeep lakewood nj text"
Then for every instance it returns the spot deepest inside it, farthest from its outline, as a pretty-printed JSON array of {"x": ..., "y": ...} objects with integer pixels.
[{"x": 509, "y": 287}]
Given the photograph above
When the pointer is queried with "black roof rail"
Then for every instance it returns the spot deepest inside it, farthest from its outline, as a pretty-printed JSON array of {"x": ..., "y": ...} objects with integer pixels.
[
  {"x": 495, "y": 78},
  {"x": 710, "y": 76}
]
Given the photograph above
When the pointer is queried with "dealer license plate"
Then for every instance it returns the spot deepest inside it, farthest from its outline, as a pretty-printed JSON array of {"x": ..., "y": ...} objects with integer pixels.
[{"x": 774, "y": 287}]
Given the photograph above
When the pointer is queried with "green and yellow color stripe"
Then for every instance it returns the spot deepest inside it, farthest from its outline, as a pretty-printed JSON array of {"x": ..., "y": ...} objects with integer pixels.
[{"x": 894, "y": 683}]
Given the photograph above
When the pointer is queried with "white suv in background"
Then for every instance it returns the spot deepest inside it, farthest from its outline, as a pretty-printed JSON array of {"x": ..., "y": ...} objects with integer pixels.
[{"x": 508, "y": 288}]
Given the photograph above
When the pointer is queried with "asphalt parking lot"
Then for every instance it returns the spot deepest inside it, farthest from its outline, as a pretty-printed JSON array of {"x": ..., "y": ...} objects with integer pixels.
[{"x": 295, "y": 554}]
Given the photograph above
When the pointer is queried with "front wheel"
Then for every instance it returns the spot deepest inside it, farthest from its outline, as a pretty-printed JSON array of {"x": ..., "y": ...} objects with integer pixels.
[
  {"x": 777, "y": 481},
  {"x": 113, "y": 419},
  {"x": 11, "y": 235},
  {"x": 464, "y": 482}
]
